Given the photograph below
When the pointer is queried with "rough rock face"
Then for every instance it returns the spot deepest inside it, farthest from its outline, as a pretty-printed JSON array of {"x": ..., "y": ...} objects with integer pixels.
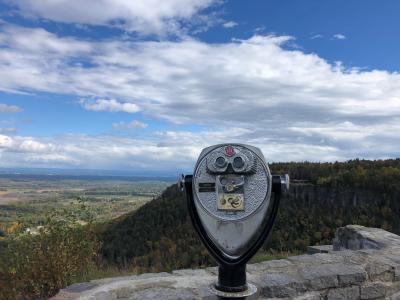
[
  {"x": 364, "y": 264},
  {"x": 356, "y": 237}
]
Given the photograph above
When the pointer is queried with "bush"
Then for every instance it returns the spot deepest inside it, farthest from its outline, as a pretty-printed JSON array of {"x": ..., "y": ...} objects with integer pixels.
[{"x": 37, "y": 266}]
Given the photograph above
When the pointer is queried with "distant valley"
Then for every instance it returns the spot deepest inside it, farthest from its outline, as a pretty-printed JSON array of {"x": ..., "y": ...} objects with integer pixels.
[{"x": 26, "y": 199}]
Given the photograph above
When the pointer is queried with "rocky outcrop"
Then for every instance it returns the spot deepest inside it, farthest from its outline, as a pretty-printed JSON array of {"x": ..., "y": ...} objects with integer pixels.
[
  {"x": 364, "y": 263},
  {"x": 354, "y": 237}
]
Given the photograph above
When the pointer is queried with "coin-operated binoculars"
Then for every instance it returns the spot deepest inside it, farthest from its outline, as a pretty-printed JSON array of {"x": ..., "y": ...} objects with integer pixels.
[{"x": 229, "y": 202}]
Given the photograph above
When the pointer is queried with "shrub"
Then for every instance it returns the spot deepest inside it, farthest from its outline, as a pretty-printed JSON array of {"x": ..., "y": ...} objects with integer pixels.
[{"x": 37, "y": 266}]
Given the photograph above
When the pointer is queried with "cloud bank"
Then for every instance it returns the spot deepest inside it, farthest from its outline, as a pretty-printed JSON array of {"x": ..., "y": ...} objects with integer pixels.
[
  {"x": 295, "y": 106},
  {"x": 142, "y": 16}
]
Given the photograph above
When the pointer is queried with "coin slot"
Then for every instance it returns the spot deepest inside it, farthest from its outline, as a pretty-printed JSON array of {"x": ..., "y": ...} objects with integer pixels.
[
  {"x": 206, "y": 190},
  {"x": 207, "y": 184}
]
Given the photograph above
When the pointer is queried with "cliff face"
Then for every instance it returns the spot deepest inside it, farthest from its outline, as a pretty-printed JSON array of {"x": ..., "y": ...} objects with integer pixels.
[
  {"x": 370, "y": 271},
  {"x": 345, "y": 197},
  {"x": 368, "y": 207}
]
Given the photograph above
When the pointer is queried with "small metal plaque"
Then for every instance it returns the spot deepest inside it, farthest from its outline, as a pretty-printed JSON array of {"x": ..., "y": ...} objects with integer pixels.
[
  {"x": 230, "y": 192},
  {"x": 231, "y": 202}
]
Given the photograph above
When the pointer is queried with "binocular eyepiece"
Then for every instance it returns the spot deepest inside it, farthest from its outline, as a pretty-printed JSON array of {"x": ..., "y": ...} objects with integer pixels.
[
  {"x": 230, "y": 161},
  {"x": 230, "y": 205}
]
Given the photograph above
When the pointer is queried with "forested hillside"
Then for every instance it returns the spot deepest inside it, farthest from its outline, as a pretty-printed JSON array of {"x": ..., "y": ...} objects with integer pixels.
[
  {"x": 159, "y": 235},
  {"x": 156, "y": 237}
]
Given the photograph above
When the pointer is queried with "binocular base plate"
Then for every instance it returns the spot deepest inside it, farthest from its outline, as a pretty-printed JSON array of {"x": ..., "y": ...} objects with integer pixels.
[{"x": 251, "y": 290}]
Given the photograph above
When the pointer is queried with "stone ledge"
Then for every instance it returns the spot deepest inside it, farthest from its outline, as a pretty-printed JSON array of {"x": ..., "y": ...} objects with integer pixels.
[{"x": 370, "y": 270}]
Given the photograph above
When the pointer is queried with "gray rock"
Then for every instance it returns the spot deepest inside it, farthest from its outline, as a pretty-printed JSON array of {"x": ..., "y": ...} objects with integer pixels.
[
  {"x": 103, "y": 295},
  {"x": 395, "y": 296},
  {"x": 192, "y": 272},
  {"x": 392, "y": 289},
  {"x": 380, "y": 269},
  {"x": 359, "y": 257},
  {"x": 319, "y": 277},
  {"x": 212, "y": 270},
  {"x": 349, "y": 274},
  {"x": 372, "y": 290},
  {"x": 348, "y": 293},
  {"x": 131, "y": 277},
  {"x": 266, "y": 266},
  {"x": 153, "y": 275},
  {"x": 309, "y": 296},
  {"x": 165, "y": 294},
  {"x": 319, "y": 258},
  {"x": 280, "y": 285},
  {"x": 397, "y": 273},
  {"x": 356, "y": 237}
]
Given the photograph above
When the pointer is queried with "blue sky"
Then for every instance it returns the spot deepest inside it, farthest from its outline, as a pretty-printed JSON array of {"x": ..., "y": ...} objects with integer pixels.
[{"x": 145, "y": 85}]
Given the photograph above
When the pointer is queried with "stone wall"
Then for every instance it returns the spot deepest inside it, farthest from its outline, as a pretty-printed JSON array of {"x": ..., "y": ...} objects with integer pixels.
[{"x": 364, "y": 263}]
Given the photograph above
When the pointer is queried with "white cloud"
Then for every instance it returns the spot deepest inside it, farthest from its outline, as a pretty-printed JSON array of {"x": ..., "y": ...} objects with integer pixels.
[
  {"x": 294, "y": 105},
  {"x": 172, "y": 150},
  {"x": 229, "y": 24},
  {"x": 8, "y": 130},
  {"x": 4, "y": 108},
  {"x": 130, "y": 125},
  {"x": 317, "y": 36},
  {"x": 107, "y": 152},
  {"x": 143, "y": 16},
  {"x": 165, "y": 151},
  {"x": 339, "y": 36},
  {"x": 40, "y": 41},
  {"x": 24, "y": 145},
  {"x": 110, "y": 105}
]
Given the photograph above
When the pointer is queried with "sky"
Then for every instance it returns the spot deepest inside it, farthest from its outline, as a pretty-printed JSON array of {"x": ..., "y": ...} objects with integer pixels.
[{"x": 145, "y": 85}]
